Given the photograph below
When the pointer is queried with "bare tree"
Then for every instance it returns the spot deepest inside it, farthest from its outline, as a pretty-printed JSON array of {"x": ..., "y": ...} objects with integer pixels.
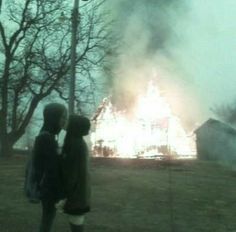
[
  {"x": 35, "y": 58},
  {"x": 226, "y": 113}
]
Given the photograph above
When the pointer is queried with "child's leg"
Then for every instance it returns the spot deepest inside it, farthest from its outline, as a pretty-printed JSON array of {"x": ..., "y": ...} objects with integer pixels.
[{"x": 76, "y": 223}]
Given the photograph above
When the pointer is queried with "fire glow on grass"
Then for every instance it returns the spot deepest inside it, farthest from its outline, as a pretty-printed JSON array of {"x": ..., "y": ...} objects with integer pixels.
[{"x": 153, "y": 132}]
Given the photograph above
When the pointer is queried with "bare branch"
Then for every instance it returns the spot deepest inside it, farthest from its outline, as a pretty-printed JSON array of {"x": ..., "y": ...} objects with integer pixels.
[{"x": 3, "y": 35}]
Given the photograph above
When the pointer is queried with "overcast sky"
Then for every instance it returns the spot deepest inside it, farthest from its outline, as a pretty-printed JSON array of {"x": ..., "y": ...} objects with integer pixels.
[{"x": 206, "y": 50}]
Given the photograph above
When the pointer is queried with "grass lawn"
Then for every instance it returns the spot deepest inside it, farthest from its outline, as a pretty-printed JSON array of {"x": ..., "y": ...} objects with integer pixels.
[{"x": 134, "y": 196}]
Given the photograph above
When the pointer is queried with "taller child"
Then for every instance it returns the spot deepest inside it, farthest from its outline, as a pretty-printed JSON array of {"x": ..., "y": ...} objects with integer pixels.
[{"x": 47, "y": 163}]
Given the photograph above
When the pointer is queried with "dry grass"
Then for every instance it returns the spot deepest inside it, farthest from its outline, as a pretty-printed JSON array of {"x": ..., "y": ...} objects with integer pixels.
[{"x": 129, "y": 195}]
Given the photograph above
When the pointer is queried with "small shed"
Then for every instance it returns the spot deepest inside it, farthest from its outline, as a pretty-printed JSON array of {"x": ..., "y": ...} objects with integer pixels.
[{"x": 216, "y": 141}]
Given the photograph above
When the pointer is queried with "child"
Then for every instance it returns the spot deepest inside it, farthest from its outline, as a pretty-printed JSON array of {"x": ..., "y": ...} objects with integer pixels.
[
  {"x": 46, "y": 163},
  {"x": 75, "y": 172}
]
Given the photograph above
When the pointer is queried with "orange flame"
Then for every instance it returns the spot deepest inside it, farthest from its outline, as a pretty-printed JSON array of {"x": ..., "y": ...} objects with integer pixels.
[{"x": 153, "y": 132}]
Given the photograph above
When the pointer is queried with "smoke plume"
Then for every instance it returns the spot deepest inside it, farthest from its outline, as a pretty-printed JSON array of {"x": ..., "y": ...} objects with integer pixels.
[{"x": 185, "y": 46}]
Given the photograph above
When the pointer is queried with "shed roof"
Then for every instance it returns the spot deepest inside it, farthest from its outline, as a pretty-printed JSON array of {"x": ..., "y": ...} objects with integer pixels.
[{"x": 218, "y": 125}]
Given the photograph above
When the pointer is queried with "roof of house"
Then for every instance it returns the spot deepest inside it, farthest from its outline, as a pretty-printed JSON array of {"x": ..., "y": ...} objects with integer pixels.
[{"x": 216, "y": 124}]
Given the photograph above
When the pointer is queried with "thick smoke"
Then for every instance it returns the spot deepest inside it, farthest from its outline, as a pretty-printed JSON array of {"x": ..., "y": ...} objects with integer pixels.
[
  {"x": 145, "y": 31},
  {"x": 186, "y": 46}
]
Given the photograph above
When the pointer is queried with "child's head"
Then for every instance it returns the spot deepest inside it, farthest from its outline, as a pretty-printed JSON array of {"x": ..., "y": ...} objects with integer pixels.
[
  {"x": 54, "y": 115},
  {"x": 78, "y": 126}
]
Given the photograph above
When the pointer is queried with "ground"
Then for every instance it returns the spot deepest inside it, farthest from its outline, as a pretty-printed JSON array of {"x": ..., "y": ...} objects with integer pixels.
[{"x": 134, "y": 195}]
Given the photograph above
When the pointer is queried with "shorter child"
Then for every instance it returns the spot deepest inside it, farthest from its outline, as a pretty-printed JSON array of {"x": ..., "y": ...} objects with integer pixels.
[{"x": 75, "y": 172}]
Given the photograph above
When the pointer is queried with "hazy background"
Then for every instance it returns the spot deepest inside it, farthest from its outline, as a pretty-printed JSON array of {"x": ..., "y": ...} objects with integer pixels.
[{"x": 188, "y": 47}]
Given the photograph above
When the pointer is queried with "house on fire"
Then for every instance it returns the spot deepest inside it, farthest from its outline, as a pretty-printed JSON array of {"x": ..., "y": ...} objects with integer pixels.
[
  {"x": 216, "y": 141},
  {"x": 146, "y": 133}
]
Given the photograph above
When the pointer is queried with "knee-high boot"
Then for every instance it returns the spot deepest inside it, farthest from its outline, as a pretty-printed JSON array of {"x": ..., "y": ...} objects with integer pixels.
[{"x": 76, "y": 228}]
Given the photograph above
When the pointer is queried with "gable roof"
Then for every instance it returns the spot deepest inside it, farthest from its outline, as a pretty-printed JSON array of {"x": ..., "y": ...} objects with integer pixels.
[{"x": 217, "y": 125}]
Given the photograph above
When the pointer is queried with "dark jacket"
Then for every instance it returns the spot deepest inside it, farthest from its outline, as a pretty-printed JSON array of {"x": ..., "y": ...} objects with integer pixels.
[
  {"x": 46, "y": 158},
  {"x": 76, "y": 172}
]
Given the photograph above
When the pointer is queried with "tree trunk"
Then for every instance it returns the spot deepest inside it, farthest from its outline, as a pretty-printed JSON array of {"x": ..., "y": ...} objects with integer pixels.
[{"x": 6, "y": 147}]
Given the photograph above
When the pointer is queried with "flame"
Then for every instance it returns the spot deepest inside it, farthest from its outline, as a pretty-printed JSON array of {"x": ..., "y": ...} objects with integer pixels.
[{"x": 153, "y": 132}]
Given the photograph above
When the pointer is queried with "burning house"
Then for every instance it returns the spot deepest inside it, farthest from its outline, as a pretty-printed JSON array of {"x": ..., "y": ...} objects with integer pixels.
[
  {"x": 153, "y": 131},
  {"x": 216, "y": 141}
]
